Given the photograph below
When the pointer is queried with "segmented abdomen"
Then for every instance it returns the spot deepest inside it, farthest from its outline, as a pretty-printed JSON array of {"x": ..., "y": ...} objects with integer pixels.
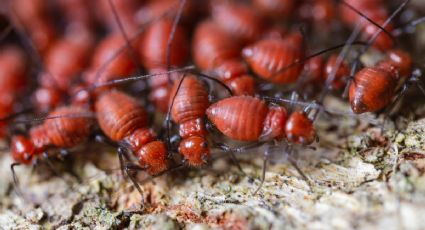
[
  {"x": 240, "y": 117},
  {"x": 191, "y": 100},
  {"x": 119, "y": 115},
  {"x": 71, "y": 128},
  {"x": 270, "y": 56}
]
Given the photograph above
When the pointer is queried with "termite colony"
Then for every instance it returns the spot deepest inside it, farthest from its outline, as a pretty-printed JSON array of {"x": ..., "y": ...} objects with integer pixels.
[{"x": 216, "y": 72}]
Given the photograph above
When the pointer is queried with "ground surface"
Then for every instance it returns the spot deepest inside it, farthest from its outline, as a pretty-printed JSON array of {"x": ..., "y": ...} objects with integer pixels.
[{"x": 360, "y": 179}]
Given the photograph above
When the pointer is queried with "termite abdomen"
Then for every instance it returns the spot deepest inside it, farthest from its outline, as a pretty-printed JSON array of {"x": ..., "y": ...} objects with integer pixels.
[
  {"x": 372, "y": 89},
  {"x": 153, "y": 49},
  {"x": 269, "y": 56},
  {"x": 246, "y": 118}
]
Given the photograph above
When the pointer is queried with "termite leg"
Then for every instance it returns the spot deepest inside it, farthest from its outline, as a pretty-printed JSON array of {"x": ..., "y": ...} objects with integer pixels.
[
  {"x": 16, "y": 181},
  {"x": 121, "y": 154},
  {"x": 414, "y": 78},
  {"x": 175, "y": 168},
  {"x": 121, "y": 151},
  {"x": 295, "y": 165},
  {"x": 263, "y": 175},
  {"x": 266, "y": 155},
  {"x": 232, "y": 156},
  {"x": 54, "y": 170},
  {"x": 64, "y": 155},
  {"x": 133, "y": 167}
]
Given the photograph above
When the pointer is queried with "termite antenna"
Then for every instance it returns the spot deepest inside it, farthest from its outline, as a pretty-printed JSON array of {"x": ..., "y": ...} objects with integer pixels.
[
  {"x": 382, "y": 28},
  {"x": 124, "y": 35},
  {"x": 170, "y": 107},
  {"x": 171, "y": 37},
  {"x": 67, "y": 116},
  {"x": 129, "y": 167},
  {"x": 227, "y": 88},
  {"x": 137, "y": 78},
  {"x": 315, "y": 105},
  {"x": 186, "y": 69},
  {"x": 16, "y": 183},
  {"x": 298, "y": 62},
  {"x": 16, "y": 114}
]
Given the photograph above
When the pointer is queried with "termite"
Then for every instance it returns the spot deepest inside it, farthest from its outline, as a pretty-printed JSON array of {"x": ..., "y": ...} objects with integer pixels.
[
  {"x": 239, "y": 20},
  {"x": 246, "y": 118},
  {"x": 216, "y": 51},
  {"x": 65, "y": 127}
]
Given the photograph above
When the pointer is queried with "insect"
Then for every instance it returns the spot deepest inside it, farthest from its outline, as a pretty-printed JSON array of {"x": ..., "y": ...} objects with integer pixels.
[
  {"x": 125, "y": 121},
  {"x": 267, "y": 57},
  {"x": 63, "y": 63},
  {"x": 239, "y": 20},
  {"x": 318, "y": 71},
  {"x": 114, "y": 59},
  {"x": 374, "y": 88},
  {"x": 153, "y": 49},
  {"x": 66, "y": 127},
  {"x": 234, "y": 117},
  {"x": 188, "y": 108},
  {"x": 216, "y": 51},
  {"x": 270, "y": 122},
  {"x": 352, "y": 11},
  {"x": 107, "y": 64}
]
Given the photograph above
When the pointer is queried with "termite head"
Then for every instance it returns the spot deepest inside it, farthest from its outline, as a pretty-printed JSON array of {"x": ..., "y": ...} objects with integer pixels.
[
  {"x": 22, "y": 149},
  {"x": 401, "y": 60},
  {"x": 195, "y": 150},
  {"x": 299, "y": 129},
  {"x": 153, "y": 157}
]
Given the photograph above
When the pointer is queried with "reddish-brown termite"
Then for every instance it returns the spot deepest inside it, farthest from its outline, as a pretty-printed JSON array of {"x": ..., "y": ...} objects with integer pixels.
[
  {"x": 246, "y": 118},
  {"x": 65, "y": 127}
]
